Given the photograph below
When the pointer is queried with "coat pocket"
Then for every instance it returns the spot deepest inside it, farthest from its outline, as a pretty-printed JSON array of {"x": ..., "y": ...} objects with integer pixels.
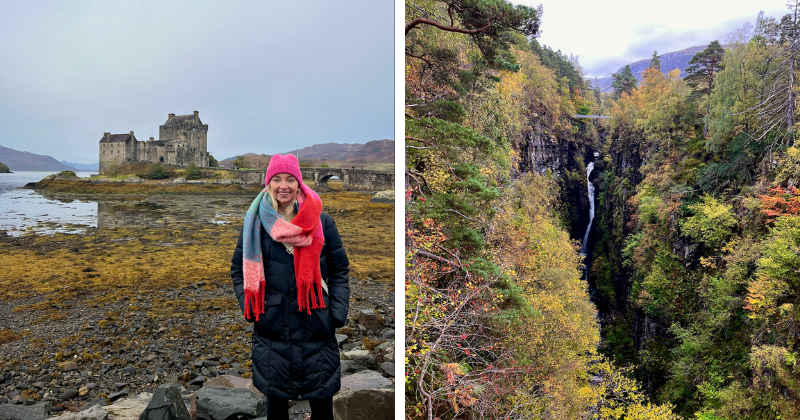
[
  {"x": 319, "y": 326},
  {"x": 272, "y": 322}
]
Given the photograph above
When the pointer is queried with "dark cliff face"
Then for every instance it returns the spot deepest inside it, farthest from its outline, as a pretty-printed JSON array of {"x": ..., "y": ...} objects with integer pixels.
[{"x": 564, "y": 155}]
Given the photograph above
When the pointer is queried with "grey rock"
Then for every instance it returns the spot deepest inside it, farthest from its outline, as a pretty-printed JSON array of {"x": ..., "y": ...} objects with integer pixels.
[
  {"x": 368, "y": 379},
  {"x": 384, "y": 346},
  {"x": 364, "y": 404},
  {"x": 93, "y": 413},
  {"x": 341, "y": 339},
  {"x": 383, "y": 197},
  {"x": 369, "y": 319},
  {"x": 388, "y": 333},
  {"x": 351, "y": 346},
  {"x": 69, "y": 394},
  {"x": 68, "y": 366},
  {"x": 99, "y": 402},
  {"x": 220, "y": 403},
  {"x": 387, "y": 369},
  {"x": 21, "y": 412},
  {"x": 127, "y": 409},
  {"x": 352, "y": 354},
  {"x": 118, "y": 394},
  {"x": 358, "y": 364},
  {"x": 166, "y": 404}
]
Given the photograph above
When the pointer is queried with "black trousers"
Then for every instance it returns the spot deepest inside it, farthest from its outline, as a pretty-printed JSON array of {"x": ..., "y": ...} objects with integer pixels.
[{"x": 321, "y": 409}]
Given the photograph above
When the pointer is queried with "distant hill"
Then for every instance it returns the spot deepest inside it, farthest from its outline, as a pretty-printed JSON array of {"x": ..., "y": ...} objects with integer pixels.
[
  {"x": 374, "y": 151},
  {"x": 669, "y": 61},
  {"x": 26, "y": 161},
  {"x": 332, "y": 151},
  {"x": 83, "y": 167}
]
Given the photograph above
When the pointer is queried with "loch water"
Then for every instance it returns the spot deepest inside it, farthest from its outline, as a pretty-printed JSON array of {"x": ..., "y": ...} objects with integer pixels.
[{"x": 25, "y": 211}]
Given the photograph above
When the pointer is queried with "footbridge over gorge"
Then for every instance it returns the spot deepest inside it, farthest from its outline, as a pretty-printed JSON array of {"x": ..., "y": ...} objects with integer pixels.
[{"x": 352, "y": 179}]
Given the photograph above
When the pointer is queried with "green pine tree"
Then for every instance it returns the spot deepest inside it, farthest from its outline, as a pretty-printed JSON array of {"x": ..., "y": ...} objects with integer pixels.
[
  {"x": 701, "y": 74},
  {"x": 623, "y": 82},
  {"x": 655, "y": 61}
]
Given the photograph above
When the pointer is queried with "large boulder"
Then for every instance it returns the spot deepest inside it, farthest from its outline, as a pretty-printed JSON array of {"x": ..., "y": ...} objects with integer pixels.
[
  {"x": 128, "y": 409},
  {"x": 230, "y": 381},
  {"x": 370, "y": 320},
  {"x": 364, "y": 404},
  {"x": 383, "y": 197},
  {"x": 221, "y": 403},
  {"x": 93, "y": 413},
  {"x": 358, "y": 364},
  {"x": 166, "y": 404},
  {"x": 21, "y": 412},
  {"x": 368, "y": 379}
]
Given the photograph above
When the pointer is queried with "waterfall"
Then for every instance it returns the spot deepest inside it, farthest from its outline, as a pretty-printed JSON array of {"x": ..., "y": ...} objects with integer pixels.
[{"x": 584, "y": 244}]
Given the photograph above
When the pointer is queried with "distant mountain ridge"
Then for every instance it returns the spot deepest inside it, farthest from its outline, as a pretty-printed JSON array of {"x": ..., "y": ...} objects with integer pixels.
[
  {"x": 85, "y": 167},
  {"x": 669, "y": 61},
  {"x": 332, "y": 151},
  {"x": 373, "y": 151},
  {"x": 26, "y": 161}
]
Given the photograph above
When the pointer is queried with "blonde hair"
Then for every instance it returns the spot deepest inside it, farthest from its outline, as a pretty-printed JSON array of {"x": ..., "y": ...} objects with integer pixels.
[{"x": 291, "y": 209}]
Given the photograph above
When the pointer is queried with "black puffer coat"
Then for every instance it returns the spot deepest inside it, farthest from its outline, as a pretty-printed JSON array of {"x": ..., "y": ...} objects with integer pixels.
[{"x": 295, "y": 355}]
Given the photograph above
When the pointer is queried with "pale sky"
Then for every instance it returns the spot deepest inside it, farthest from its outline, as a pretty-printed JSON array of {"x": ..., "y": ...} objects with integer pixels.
[
  {"x": 267, "y": 77},
  {"x": 607, "y": 35}
]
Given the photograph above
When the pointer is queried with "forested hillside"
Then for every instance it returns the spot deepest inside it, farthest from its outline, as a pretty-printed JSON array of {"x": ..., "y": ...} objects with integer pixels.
[
  {"x": 691, "y": 305},
  {"x": 499, "y": 322},
  {"x": 697, "y": 256}
]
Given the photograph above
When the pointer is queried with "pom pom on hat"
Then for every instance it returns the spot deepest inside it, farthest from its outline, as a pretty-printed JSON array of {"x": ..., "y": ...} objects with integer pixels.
[{"x": 283, "y": 164}]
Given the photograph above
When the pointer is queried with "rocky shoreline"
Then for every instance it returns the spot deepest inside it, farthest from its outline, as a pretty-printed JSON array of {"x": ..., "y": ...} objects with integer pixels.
[
  {"x": 109, "y": 316},
  {"x": 60, "y": 183},
  {"x": 98, "y": 360}
]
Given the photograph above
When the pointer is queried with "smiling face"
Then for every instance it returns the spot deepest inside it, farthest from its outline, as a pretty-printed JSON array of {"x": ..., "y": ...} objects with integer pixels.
[{"x": 284, "y": 188}]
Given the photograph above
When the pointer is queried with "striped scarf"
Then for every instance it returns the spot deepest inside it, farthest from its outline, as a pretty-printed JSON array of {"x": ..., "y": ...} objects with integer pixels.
[{"x": 304, "y": 233}]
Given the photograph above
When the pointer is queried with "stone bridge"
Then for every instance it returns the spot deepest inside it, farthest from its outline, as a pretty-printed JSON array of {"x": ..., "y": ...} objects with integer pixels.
[{"x": 352, "y": 179}]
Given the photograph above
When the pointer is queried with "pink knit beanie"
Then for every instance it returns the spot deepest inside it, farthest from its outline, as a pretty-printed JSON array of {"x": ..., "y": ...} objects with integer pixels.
[{"x": 283, "y": 164}]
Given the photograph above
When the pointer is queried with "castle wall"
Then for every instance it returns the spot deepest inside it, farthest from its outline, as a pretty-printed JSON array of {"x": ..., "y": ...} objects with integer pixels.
[{"x": 109, "y": 152}]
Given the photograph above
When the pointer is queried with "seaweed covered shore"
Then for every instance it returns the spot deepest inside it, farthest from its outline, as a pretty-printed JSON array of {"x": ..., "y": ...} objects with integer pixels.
[{"x": 125, "y": 309}]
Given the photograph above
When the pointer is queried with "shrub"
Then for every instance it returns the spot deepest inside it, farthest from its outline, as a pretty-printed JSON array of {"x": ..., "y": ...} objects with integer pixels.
[
  {"x": 324, "y": 165},
  {"x": 306, "y": 165},
  {"x": 712, "y": 222},
  {"x": 112, "y": 169},
  {"x": 156, "y": 171},
  {"x": 193, "y": 172}
]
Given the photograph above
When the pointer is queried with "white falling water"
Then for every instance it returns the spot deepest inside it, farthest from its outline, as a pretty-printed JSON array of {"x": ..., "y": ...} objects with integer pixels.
[{"x": 584, "y": 244}]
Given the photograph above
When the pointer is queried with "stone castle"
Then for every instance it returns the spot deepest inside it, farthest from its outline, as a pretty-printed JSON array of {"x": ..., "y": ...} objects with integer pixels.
[{"x": 182, "y": 139}]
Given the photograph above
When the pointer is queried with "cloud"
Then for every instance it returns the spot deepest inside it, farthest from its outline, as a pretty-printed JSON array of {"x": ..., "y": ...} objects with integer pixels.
[
  {"x": 649, "y": 38},
  {"x": 265, "y": 76}
]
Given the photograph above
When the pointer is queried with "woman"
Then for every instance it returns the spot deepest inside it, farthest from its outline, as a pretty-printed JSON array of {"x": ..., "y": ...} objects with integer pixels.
[{"x": 290, "y": 274}]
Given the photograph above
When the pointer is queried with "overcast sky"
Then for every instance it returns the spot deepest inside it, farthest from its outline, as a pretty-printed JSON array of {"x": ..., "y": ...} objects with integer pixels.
[
  {"x": 607, "y": 35},
  {"x": 266, "y": 77}
]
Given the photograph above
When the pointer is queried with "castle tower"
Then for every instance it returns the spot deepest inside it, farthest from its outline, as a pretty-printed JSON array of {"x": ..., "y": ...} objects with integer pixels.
[{"x": 190, "y": 136}]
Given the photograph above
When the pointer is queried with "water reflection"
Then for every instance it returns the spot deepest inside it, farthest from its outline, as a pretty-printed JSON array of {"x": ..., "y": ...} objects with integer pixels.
[
  {"x": 166, "y": 211},
  {"x": 30, "y": 212}
]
